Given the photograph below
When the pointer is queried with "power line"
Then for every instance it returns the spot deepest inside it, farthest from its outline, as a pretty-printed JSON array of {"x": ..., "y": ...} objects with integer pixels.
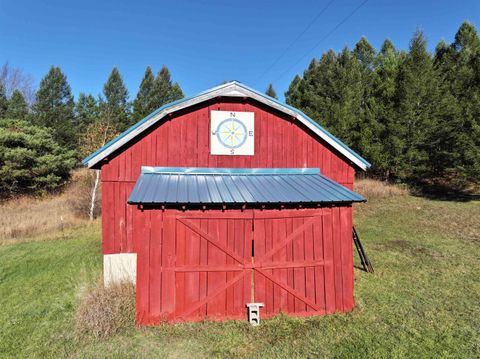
[
  {"x": 296, "y": 39},
  {"x": 344, "y": 20}
]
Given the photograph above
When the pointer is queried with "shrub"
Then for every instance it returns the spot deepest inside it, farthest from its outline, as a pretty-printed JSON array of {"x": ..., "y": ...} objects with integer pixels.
[
  {"x": 30, "y": 159},
  {"x": 104, "y": 311}
]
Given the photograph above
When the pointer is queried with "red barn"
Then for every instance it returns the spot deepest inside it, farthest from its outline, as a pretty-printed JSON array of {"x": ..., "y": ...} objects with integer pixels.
[{"x": 224, "y": 199}]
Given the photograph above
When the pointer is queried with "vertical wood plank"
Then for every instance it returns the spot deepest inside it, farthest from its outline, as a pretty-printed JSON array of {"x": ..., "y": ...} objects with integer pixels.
[
  {"x": 142, "y": 230},
  {"x": 282, "y": 257},
  {"x": 259, "y": 251},
  {"x": 309, "y": 271},
  {"x": 337, "y": 259},
  {"x": 155, "y": 265},
  {"x": 318, "y": 255},
  {"x": 290, "y": 275},
  {"x": 347, "y": 257},
  {"x": 328, "y": 255},
  {"x": 108, "y": 218},
  {"x": 247, "y": 255},
  {"x": 299, "y": 256},
  {"x": 231, "y": 230},
  {"x": 192, "y": 280},
  {"x": 269, "y": 287},
  {"x": 168, "y": 264},
  {"x": 180, "y": 249}
]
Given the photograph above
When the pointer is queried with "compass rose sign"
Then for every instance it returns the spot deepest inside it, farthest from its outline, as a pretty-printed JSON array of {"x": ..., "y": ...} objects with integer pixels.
[{"x": 232, "y": 133}]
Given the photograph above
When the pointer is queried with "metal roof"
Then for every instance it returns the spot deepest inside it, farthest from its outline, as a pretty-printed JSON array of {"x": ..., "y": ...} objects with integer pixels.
[
  {"x": 229, "y": 89},
  {"x": 176, "y": 185}
]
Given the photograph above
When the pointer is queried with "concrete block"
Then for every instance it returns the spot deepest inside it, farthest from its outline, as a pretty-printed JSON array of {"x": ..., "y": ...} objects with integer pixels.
[{"x": 119, "y": 267}]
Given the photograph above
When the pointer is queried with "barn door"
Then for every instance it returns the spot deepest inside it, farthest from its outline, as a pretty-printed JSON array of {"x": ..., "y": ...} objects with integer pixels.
[
  {"x": 213, "y": 265},
  {"x": 289, "y": 263}
]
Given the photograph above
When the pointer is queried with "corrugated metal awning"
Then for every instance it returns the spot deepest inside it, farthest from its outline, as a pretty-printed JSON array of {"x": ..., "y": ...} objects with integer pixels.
[{"x": 176, "y": 185}]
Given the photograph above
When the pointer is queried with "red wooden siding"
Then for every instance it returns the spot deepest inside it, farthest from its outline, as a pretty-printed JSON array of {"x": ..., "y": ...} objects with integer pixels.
[
  {"x": 183, "y": 140},
  {"x": 194, "y": 265}
]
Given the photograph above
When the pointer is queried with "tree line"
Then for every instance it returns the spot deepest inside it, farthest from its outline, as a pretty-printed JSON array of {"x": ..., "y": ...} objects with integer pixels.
[
  {"x": 413, "y": 114},
  {"x": 41, "y": 143}
]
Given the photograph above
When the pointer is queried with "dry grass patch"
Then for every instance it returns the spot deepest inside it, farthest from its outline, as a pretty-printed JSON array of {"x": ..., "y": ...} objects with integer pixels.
[
  {"x": 105, "y": 311},
  {"x": 374, "y": 189},
  {"x": 47, "y": 216},
  {"x": 27, "y": 217}
]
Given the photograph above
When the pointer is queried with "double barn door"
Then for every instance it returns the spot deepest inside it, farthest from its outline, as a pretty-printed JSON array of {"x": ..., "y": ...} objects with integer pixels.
[{"x": 214, "y": 263}]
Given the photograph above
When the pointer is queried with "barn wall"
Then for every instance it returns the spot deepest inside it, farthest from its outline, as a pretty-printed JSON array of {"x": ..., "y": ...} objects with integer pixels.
[
  {"x": 183, "y": 141},
  {"x": 166, "y": 294}
]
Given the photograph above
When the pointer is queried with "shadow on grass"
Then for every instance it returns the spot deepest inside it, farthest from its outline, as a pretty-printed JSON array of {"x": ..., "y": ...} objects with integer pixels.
[{"x": 442, "y": 192}]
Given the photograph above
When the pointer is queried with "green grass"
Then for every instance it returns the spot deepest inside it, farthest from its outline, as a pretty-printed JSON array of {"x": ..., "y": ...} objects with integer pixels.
[{"x": 422, "y": 301}]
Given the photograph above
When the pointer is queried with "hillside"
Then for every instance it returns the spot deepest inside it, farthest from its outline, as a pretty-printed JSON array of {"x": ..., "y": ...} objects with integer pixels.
[{"x": 422, "y": 300}]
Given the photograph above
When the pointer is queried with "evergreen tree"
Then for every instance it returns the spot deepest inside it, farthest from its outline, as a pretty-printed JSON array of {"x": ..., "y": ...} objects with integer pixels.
[
  {"x": 87, "y": 111},
  {"x": 176, "y": 92},
  {"x": 384, "y": 89},
  {"x": 367, "y": 136},
  {"x": 459, "y": 65},
  {"x": 54, "y": 107},
  {"x": 414, "y": 116},
  {"x": 31, "y": 160},
  {"x": 417, "y": 113},
  {"x": 17, "y": 107},
  {"x": 115, "y": 108},
  {"x": 143, "y": 104},
  {"x": 164, "y": 91},
  {"x": 364, "y": 53},
  {"x": 271, "y": 92},
  {"x": 292, "y": 94},
  {"x": 3, "y": 100},
  {"x": 316, "y": 93}
]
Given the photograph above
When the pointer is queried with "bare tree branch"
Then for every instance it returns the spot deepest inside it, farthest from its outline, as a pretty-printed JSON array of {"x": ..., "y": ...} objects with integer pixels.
[{"x": 13, "y": 78}]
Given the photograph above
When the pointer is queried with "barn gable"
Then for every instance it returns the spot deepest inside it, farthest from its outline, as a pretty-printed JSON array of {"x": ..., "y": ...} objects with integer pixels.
[{"x": 231, "y": 89}]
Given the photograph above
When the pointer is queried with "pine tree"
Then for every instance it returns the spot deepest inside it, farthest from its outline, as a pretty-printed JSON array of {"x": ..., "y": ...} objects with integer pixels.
[
  {"x": 143, "y": 104},
  {"x": 387, "y": 63},
  {"x": 315, "y": 93},
  {"x": 364, "y": 53},
  {"x": 460, "y": 66},
  {"x": 293, "y": 94},
  {"x": 87, "y": 111},
  {"x": 3, "y": 100},
  {"x": 271, "y": 91},
  {"x": 115, "y": 107},
  {"x": 417, "y": 113},
  {"x": 164, "y": 91},
  {"x": 31, "y": 161},
  {"x": 54, "y": 107},
  {"x": 17, "y": 107},
  {"x": 368, "y": 132},
  {"x": 176, "y": 92}
]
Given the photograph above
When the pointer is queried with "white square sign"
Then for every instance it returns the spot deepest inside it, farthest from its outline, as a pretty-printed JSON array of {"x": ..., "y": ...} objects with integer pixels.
[{"x": 232, "y": 133}]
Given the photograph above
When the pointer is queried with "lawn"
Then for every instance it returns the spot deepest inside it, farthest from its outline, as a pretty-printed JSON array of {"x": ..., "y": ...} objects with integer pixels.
[{"x": 422, "y": 301}]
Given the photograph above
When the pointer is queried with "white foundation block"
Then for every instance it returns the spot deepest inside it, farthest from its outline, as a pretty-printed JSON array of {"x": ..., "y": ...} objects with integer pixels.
[{"x": 119, "y": 267}]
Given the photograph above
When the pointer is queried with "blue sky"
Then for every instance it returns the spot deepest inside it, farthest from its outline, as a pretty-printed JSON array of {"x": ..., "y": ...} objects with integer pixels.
[{"x": 206, "y": 42}]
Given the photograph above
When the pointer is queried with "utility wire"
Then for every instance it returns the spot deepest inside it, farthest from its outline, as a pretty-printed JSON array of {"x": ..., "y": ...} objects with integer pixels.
[
  {"x": 296, "y": 39},
  {"x": 344, "y": 20}
]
